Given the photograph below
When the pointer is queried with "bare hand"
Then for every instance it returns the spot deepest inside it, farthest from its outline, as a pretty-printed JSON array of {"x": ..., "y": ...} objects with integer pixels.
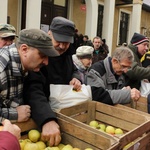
[
  {"x": 24, "y": 113},
  {"x": 135, "y": 94},
  {"x": 76, "y": 84},
  {"x": 51, "y": 133},
  {"x": 12, "y": 128}
]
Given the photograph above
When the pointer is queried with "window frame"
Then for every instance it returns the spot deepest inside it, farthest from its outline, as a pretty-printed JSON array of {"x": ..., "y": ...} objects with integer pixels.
[{"x": 129, "y": 25}]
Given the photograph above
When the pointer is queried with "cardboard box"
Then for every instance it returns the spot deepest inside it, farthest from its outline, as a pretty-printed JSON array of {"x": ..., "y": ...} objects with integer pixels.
[{"x": 136, "y": 126}]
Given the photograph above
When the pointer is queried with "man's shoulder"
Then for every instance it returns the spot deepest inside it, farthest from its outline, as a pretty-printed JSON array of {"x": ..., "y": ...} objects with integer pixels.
[
  {"x": 4, "y": 58},
  {"x": 99, "y": 67}
]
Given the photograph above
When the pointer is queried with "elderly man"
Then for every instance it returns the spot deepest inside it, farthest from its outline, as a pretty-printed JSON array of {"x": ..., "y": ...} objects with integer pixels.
[
  {"x": 59, "y": 71},
  {"x": 106, "y": 80},
  {"x": 30, "y": 53},
  {"x": 7, "y": 34}
]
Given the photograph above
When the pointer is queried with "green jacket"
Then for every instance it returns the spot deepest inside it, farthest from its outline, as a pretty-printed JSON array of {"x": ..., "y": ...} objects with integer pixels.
[{"x": 137, "y": 73}]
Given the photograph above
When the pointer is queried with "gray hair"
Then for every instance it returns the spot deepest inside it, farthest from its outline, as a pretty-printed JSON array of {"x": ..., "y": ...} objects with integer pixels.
[{"x": 122, "y": 53}]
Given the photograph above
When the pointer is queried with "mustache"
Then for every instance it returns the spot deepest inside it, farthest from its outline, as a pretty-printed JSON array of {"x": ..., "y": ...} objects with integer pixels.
[{"x": 59, "y": 49}]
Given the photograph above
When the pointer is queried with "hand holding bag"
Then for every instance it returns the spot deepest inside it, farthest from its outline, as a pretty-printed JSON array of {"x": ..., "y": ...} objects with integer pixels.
[{"x": 62, "y": 96}]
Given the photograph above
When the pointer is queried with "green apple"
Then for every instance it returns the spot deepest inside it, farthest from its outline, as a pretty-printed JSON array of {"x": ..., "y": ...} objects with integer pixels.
[
  {"x": 67, "y": 147},
  {"x": 61, "y": 145},
  {"x": 41, "y": 144},
  {"x": 93, "y": 123},
  {"x": 110, "y": 129},
  {"x": 34, "y": 135},
  {"x": 118, "y": 131},
  {"x": 102, "y": 126},
  {"x": 29, "y": 146},
  {"x": 51, "y": 148}
]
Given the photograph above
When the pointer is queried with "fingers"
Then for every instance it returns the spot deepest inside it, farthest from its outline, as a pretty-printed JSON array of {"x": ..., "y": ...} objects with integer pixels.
[
  {"x": 135, "y": 94},
  {"x": 54, "y": 140},
  {"x": 76, "y": 84}
]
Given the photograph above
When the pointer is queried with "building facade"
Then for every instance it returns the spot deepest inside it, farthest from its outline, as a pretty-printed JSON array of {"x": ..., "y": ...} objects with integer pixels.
[{"x": 114, "y": 20}]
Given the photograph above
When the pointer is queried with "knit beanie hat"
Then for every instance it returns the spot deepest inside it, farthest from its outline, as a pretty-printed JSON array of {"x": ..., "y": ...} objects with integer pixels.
[{"x": 138, "y": 39}]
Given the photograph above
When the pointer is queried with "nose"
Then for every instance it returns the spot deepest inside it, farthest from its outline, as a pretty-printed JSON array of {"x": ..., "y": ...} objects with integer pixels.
[
  {"x": 45, "y": 61},
  {"x": 62, "y": 45}
]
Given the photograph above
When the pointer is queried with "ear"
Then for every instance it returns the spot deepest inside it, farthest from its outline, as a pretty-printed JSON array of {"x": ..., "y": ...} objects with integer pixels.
[
  {"x": 50, "y": 33},
  {"x": 24, "y": 49},
  {"x": 114, "y": 60}
]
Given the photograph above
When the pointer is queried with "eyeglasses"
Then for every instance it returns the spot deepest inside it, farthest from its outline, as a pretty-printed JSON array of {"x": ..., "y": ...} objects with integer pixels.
[{"x": 123, "y": 67}]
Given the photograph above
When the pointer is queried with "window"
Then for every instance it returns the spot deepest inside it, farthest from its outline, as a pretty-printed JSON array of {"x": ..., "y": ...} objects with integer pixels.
[
  {"x": 100, "y": 20},
  {"x": 124, "y": 28}
]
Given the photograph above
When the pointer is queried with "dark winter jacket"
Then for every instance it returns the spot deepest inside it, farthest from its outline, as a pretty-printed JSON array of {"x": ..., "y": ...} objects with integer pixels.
[
  {"x": 36, "y": 86},
  {"x": 137, "y": 73},
  {"x": 106, "y": 86},
  {"x": 99, "y": 54}
]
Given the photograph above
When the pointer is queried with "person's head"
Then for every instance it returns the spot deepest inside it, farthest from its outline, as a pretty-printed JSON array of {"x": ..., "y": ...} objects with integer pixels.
[
  {"x": 97, "y": 42},
  {"x": 122, "y": 60},
  {"x": 7, "y": 34},
  {"x": 85, "y": 38},
  {"x": 85, "y": 54},
  {"x": 62, "y": 33},
  {"x": 34, "y": 47},
  {"x": 142, "y": 43}
]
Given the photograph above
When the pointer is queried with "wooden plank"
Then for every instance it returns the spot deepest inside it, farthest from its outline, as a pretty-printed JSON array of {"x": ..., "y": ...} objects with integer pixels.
[
  {"x": 141, "y": 104},
  {"x": 119, "y": 113},
  {"x": 71, "y": 111},
  {"x": 110, "y": 120},
  {"x": 91, "y": 111},
  {"x": 80, "y": 131},
  {"x": 75, "y": 142},
  {"x": 27, "y": 125},
  {"x": 135, "y": 110}
]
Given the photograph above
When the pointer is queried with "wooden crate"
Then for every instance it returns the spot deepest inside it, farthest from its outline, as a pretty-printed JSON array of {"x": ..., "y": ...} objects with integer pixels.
[
  {"x": 77, "y": 136},
  {"x": 141, "y": 104},
  {"x": 135, "y": 126}
]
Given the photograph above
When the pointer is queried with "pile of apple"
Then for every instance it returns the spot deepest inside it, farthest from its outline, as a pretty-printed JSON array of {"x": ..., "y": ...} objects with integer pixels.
[
  {"x": 34, "y": 142},
  {"x": 106, "y": 128}
]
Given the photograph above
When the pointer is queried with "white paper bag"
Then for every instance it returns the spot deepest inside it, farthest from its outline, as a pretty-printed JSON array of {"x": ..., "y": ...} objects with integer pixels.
[
  {"x": 145, "y": 88},
  {"x": 62, "y": 96}
]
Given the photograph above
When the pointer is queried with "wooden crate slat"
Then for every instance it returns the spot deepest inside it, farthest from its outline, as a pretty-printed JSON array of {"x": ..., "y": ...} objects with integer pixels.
[
  {"x": 71, "y": 111},
  {"x": 83, "y": 134},
  {"x": 118, "y": 113},
  {"x": 110, "y": 120},
  {"x": 26, "y": 126},
  {"x": 67, "y": 139}
]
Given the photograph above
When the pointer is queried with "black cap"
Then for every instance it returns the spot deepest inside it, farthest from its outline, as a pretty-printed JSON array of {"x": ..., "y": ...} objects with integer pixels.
[
  {"x": 38, "y": 39},
  {"x": 63, "y": 29}
]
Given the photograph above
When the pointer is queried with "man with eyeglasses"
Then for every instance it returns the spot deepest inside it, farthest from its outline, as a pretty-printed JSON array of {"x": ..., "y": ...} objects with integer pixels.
[{"x": 107, "y": 81}]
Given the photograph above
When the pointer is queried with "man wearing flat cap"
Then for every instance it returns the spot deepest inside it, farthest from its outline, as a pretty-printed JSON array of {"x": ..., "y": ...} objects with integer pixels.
[
  {"x": 139, "y": 45},
  {"x": 30, "y": 54},
  {"x": 7, "y": 34},
  {"x": 60, "y": 70}
]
